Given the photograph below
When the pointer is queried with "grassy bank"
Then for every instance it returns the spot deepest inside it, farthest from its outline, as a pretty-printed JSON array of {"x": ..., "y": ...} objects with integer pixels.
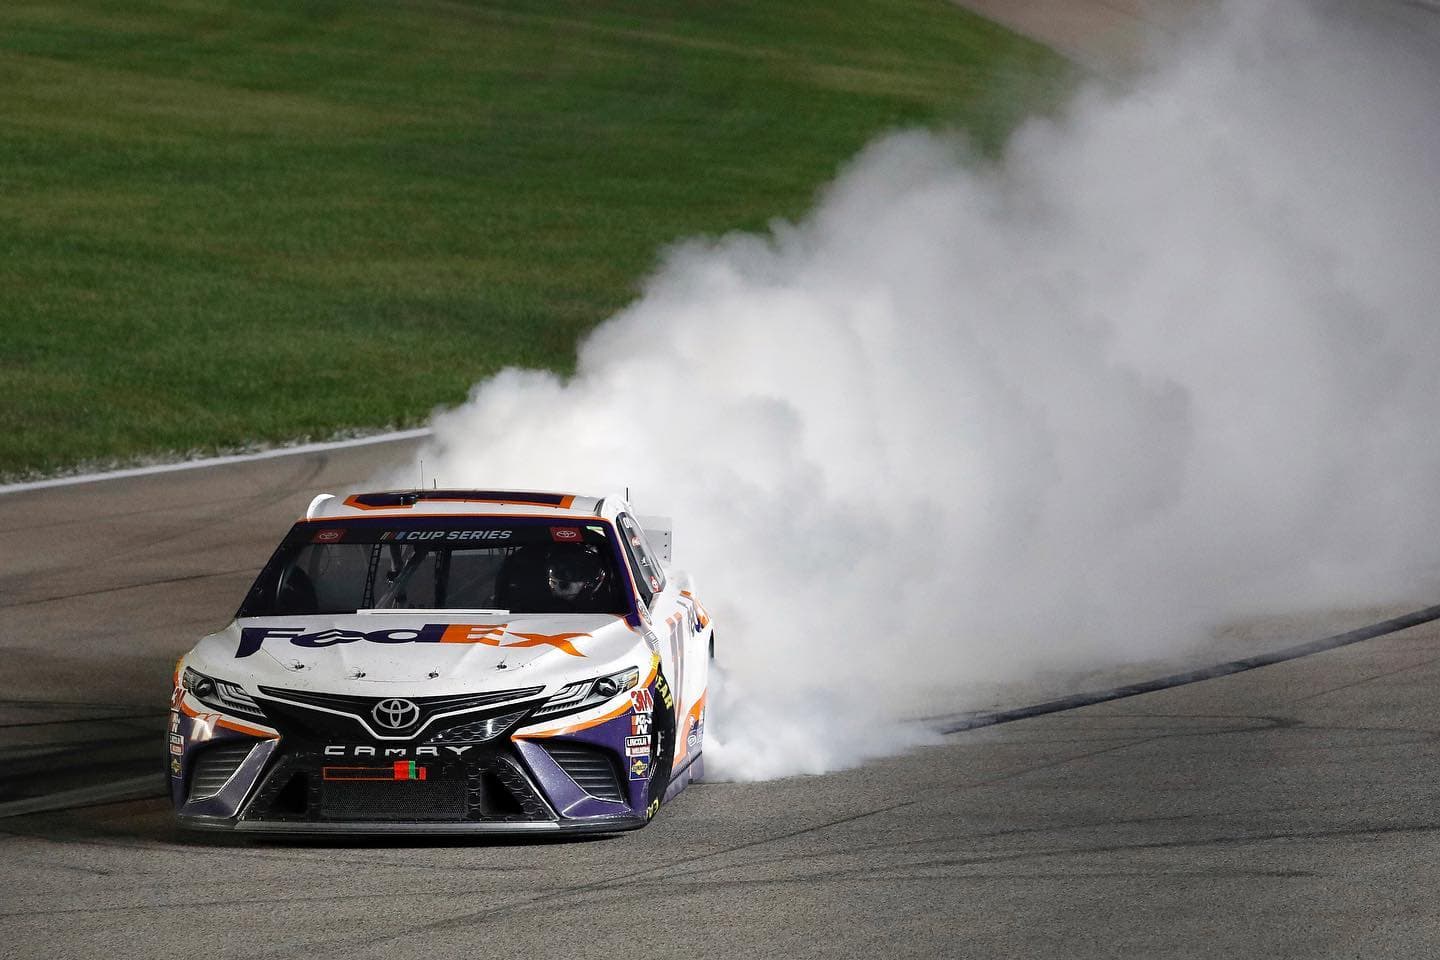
[{"x": 223, "y": 223}]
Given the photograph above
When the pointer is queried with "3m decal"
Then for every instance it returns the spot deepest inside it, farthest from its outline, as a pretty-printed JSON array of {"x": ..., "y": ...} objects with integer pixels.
[
  {"x": 639, "y": 768},
  {"x": 492, "y": 635},
  {"x": 566, "y": 534},
  {"x": 399, "y": 770},
  {"x": 328, "y": 536},
  {"x": 642, "y": 700},
  {"x": 637, "y": 746}
]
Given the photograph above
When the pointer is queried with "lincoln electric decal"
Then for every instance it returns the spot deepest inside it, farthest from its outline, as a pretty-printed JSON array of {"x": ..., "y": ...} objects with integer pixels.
[{"x": 494, "y": 635}]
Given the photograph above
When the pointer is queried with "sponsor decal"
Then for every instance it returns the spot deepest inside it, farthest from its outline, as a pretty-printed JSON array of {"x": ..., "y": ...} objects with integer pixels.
[
  {"x": 663, "y": 689},
  {"x": 697, "y": 731},
  {"x": 343, "y": 750},
  {"x": 637, "y": 746},
  {"x": 566, "y": 534},
  {"x": 176, "y": 749},
  {"x": 174, "y": 768},
  {"x": 642, "y": 700},
  {"x": 399, "y": 770},
  {"x": 639, "y": 767},
  {"x": 328, "y": 536},
  {"x": 651, "y": 641},
  {"x": 640, "y": 725},
  {"x": 176, "y": 738},
  {"x": 174, "y": 721},
  {"x": 650, "y": 810},
  {"x": 655, "y": 584},
  {"x": 492, "y": 635},
  {"x": 449, "y": 536}
]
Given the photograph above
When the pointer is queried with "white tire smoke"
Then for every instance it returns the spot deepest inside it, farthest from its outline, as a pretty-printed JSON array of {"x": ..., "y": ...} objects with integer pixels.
[{"x": 1170, "y": 361}]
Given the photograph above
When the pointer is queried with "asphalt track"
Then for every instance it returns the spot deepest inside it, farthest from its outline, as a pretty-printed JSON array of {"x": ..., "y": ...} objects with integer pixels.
[{"x": 1284, "y": 811}]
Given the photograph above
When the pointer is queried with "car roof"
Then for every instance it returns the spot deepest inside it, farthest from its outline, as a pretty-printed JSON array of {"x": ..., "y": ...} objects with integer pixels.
[{"x": 458, "y": 503}]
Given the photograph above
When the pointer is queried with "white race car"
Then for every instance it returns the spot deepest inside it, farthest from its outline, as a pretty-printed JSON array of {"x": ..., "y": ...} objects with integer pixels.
[{"x": 445, "y": 661}]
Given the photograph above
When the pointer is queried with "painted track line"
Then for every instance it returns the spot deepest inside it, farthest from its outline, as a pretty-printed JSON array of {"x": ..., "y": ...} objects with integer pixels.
[
  {"x": 960, "y": 722},
  {"x": 270, "y": 454},
  {"x": 134, "y": 788}
]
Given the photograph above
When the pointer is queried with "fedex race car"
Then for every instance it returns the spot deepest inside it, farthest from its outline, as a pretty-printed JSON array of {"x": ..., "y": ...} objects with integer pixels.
[{"x": 448, "y": 661}]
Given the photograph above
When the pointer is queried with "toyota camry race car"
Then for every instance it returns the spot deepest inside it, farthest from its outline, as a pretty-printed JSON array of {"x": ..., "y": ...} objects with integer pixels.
[{"x": 447, "y": 661}]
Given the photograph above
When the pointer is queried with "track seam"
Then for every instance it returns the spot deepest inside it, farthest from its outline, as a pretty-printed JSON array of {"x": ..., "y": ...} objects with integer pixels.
[{"x": 960, "y": 722}]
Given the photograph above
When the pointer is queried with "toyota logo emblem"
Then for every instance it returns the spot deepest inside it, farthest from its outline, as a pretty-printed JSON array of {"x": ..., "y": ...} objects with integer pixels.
[{"x": 395, "y": 714}]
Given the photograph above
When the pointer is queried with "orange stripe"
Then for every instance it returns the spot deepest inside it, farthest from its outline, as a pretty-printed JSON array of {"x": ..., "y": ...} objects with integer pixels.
[
  {"x": 619, "y": 711},
  {"x": 587, "y": 724},
  {"x": 245, "y": 728},
  {"x": 352, "y": 501},
  {"x": 230, "y": 724},
  {"x": 692, "y": 717},
  {"x": 554, "y": 518}
]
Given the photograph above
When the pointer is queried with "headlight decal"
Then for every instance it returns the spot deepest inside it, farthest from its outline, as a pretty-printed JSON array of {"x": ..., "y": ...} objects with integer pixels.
[
  {"x": 583, "y": 694},
  {"x": 221, "y": 694}
]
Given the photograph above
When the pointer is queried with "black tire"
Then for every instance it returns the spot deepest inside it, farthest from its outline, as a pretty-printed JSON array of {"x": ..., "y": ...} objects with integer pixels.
[{"x": 662, "y": 751}]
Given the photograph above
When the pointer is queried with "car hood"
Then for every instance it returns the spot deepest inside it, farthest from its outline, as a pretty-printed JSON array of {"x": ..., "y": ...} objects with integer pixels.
[{"x": 422, "y": 654}]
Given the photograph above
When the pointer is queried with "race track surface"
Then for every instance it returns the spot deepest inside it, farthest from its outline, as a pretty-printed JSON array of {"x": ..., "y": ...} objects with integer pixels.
[{"x": 1287, "y": 811}]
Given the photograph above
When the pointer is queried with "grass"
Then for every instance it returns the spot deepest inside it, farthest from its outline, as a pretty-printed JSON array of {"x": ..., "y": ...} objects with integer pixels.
[{"x": 233, "y": 223}]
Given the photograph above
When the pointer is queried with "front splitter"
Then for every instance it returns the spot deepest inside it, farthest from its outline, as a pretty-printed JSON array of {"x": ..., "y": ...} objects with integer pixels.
[{"x": 401, "y": 828}]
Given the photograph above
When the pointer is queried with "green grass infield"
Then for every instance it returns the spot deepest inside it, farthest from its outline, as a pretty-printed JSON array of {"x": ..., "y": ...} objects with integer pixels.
[{"x": 224, "y": 224}]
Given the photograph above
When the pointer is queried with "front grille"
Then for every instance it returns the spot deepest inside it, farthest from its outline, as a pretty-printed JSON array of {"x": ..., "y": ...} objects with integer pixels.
[
  {"x": 331, "y": 716},
  {"x": 479, "y": 787},
  {"x": 404, "y": 800},
  {"x": 214, "y": 766},
  {"x": 592, "y": 769}
]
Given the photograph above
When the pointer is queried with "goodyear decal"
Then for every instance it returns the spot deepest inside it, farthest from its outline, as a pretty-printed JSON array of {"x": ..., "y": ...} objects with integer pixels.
[{"x": 663, "y": 688}]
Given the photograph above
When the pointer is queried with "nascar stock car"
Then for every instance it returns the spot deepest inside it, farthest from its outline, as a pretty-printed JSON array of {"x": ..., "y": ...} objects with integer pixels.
[{"x": 448, "y": 661}]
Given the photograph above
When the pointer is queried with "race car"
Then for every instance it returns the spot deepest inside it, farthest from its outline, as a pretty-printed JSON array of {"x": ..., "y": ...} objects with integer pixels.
[{"x": 448, "y": 661}]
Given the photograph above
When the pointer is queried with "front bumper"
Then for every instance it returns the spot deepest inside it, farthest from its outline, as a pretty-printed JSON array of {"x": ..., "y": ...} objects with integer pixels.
[{"x": 226, "y": 780}]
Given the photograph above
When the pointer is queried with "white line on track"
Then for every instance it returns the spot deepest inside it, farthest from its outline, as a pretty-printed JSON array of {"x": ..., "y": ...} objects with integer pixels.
[
  {"x": 135, "y": 788},
  {"x": 215, "y": 461}
]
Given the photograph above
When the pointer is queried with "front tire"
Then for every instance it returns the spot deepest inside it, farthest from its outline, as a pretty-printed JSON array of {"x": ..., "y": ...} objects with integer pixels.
[{"x": 662, "y": 751}]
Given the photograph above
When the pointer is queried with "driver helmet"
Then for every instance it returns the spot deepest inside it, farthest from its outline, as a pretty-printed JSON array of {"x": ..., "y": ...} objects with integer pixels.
[{"x": 575, "y": 575}]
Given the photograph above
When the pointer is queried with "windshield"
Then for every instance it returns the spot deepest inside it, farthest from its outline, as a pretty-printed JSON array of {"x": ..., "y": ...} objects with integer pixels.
[{"x": 514, "y": 565}]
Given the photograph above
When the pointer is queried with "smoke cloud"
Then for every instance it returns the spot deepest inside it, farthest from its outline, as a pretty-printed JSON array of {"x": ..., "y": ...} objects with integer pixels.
[{"x": 1169, "y": 361}]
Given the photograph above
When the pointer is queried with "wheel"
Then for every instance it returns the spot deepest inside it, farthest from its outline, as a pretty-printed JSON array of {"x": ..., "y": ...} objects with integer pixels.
[{"x": 662, "y": 750}]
